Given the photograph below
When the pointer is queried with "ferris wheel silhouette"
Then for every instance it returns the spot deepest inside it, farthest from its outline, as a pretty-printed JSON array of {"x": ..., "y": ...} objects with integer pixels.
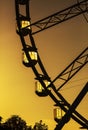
[{"x": 44, "y": 85}]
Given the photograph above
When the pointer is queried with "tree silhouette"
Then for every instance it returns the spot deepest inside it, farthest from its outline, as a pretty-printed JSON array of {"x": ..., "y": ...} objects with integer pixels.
[
  {"x": 15, "y": 123},
  {"x": 40, "y": 126}
]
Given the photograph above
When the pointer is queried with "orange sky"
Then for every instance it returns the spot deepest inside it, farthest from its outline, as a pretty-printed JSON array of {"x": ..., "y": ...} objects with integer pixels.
[{"x": 57, "y": 46}]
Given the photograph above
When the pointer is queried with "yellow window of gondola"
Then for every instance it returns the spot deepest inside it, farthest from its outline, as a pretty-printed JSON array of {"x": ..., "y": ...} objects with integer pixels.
[
  {"x": 57, "y": 113},
  {"x": 32, "y": 56},
  {"x": 40, "y": 91},
  {"x": 24, "y": 26}
]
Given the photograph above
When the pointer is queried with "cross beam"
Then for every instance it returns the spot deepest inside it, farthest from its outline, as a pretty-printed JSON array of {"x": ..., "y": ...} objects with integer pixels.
[
  {"x": 72, "y": 108},
  {"x": 61, "y": 16}
]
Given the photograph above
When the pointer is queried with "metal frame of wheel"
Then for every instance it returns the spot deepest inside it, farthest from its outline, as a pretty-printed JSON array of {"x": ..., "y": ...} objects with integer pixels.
[{"x": 69, "y": 71}]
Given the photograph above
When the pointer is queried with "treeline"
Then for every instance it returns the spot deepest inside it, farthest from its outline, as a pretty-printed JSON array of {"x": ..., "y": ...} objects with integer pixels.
[{"x": 15, "y": 122}]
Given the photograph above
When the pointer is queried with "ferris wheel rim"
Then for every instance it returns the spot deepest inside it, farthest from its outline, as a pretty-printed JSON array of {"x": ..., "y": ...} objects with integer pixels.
[{"x": 40, "y": 62}]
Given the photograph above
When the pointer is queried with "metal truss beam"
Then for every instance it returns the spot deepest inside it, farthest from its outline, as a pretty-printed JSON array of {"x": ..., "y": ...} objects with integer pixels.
[
  {"x": 72, "y": 69},
  {"x": 61, "y": 16}
]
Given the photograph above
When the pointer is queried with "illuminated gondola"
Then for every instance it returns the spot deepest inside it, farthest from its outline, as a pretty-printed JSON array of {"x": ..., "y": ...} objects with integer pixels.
[
  {"x": 32, "y": 56},
  {"x": 39, "y": 90},
  {"x": 24, "y": 26}
]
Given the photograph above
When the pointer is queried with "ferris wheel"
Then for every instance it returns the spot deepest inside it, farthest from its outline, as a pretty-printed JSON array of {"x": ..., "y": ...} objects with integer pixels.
[{"x": 31, "y": 58}]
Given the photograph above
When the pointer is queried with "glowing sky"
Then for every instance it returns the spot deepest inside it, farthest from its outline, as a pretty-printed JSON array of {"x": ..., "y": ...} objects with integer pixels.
[{"x": 57, "y": 46}]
